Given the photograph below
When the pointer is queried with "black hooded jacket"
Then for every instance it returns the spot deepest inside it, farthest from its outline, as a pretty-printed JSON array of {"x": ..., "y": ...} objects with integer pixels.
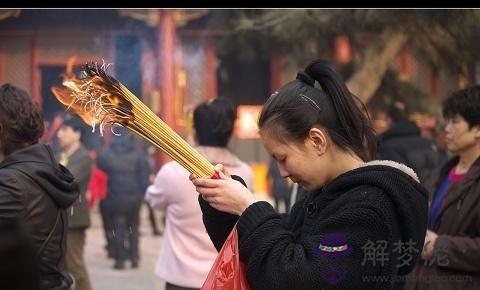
[
  {"x": 380, "y": 210},
  {"x": 36, "y": 189},
  {"x": 127, "y": 169}
]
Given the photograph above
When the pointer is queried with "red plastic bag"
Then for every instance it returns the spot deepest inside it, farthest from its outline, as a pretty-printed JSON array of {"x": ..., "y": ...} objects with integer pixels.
[{"x": 227, "y": 272}]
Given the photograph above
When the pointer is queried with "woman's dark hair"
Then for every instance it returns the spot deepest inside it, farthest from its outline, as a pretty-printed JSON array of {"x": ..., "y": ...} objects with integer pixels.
[
  {"x": 213, "y": 122},
  {"x": 295, "y": 108},
  {"x": 465, "y": 103},
  {"x": 21, "y": 121}
]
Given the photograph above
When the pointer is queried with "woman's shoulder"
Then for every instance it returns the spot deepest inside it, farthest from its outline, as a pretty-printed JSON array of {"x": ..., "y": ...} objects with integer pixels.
[
  {"x": 173, "y": 168},
  {"x": 391, "y": 199},
  {"x": 244, "y": 167},
  {"x": 365, "y": 195}
]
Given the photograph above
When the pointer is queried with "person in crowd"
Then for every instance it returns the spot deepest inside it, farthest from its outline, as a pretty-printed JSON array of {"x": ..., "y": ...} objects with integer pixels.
[
  {"x": 187, "y": 254},
  {"x": 403, "y": 143},
  {"x": 452, "y": 243},
  {"x": 105, "y": 206},
  {"x": 150, "y": 152},
  {"x": 297, "y": 193},
  {"x": 77, "y": 159},
  {"x": 279, "y": 188},
  {"x": 34, "y": 188},
  {"x": 127, "y": 170},
  {"x": 323, "y": 141}
]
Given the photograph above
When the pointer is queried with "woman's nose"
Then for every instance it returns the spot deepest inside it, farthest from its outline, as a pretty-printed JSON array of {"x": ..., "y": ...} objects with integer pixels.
[{"x": 283, "y": 171}]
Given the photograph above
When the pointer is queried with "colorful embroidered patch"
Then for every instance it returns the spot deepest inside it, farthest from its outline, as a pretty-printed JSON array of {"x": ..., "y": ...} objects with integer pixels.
[{"x": 333, "y": 249}]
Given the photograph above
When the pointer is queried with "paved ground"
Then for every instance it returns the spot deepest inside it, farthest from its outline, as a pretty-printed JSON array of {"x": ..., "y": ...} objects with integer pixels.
[{"x": 104, "y": 277}]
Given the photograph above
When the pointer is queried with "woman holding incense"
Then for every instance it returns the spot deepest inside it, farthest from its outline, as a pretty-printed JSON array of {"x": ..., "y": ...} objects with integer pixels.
[{"x": 363, "y": 223}]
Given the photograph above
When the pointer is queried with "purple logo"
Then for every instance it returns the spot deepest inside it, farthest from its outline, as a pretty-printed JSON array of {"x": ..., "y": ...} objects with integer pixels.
[{"x": 333, "y": 251}]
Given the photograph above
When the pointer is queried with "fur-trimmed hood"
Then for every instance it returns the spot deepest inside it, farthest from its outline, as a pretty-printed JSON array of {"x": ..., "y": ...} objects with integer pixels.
[
  {"x": 400, "y": 185},
  {"x": 396, "y": 165}
]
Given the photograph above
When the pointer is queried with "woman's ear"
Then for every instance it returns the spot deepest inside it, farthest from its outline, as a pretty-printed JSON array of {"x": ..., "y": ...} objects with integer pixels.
[
  {"x": 318, "y": 139},
  {"x": 476, "y": 130}
]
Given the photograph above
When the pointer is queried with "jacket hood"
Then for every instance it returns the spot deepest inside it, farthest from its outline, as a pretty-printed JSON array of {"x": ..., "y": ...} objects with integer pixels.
[
  {"x": 401, "y": 185},
  {"x": 38, "y": 163},
  {"x": 401, "y": 129}
]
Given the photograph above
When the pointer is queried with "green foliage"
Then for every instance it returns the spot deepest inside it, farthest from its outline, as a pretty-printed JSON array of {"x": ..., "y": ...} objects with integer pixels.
[
  {"x": 445, "y": 38},
  {"x": 394, "y": 89}
]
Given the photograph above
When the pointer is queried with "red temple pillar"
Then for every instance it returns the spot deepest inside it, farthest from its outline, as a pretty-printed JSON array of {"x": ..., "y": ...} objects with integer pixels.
[
  {"x": 342, "y": 50},
  {"x": 34, "y": 71},
  {"x": 276, "y": 73},
  {"x": 166, "y": 34},
  {"x": 210, "y": 69},
  {"x": 434, "y": 84},
  {"x": 405, "y": 63},
  {"x": 2, "y": 64}
]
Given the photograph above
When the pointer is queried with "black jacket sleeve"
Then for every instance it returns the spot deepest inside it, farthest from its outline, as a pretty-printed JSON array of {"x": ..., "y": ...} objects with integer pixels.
[
  {"x": 276, "y": 259},
  {"x": 218, "y": 224}
]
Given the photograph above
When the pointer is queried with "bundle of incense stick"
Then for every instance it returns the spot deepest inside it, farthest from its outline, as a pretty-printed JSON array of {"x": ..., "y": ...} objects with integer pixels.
[{"x": 99, "y": 98}]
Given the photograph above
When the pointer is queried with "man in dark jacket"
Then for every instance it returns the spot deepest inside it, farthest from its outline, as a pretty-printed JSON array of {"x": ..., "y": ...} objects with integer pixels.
[
  {"x": 18, "y": 267},
  {"x": 34, "y": 188},
  {"x": 128, "y": 172},
  {"x": 77, "y": 159},
  {"x": 404, "y": 144}
]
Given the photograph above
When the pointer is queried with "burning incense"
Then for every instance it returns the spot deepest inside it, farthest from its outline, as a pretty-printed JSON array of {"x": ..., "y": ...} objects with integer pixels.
[{"x": 99, "y": 98}]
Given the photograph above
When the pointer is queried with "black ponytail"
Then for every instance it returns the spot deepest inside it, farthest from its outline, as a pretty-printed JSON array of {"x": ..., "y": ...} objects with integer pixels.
[
  {"x": 298, "y": 106},
  {"x": 353, "y": 121}
]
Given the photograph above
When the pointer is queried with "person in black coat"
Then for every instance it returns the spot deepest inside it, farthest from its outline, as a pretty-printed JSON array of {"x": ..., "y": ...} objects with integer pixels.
[
  {"x": 404, "y": 144},
  {"x": 280, "y": 189},
  {"x": 35, "y": 192},
  {"x": 362, "y": 225},
  {"x": 128, "y": 172}
]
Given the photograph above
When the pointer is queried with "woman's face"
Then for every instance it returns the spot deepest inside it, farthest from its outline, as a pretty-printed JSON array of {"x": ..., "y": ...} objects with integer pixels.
[
  {"x": 459, "y": 137},
  {"x": 67, "y": 137},
  {"x": 299, "y": 161}
]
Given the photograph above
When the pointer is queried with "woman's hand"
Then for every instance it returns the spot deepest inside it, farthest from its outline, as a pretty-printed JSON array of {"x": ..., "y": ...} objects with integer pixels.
[{"x": 224, "y": 194}]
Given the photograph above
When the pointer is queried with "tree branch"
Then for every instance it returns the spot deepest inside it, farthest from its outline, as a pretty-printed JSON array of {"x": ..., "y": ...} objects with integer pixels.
[{"x": 378, "y": 55}]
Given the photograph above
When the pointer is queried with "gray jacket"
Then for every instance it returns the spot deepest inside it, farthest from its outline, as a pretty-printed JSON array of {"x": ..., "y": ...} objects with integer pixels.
[{"x": 80, "y": 165}]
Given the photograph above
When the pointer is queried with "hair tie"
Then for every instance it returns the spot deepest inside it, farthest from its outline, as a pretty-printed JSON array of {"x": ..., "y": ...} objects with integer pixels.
[{"x": 306, "y": 78}]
